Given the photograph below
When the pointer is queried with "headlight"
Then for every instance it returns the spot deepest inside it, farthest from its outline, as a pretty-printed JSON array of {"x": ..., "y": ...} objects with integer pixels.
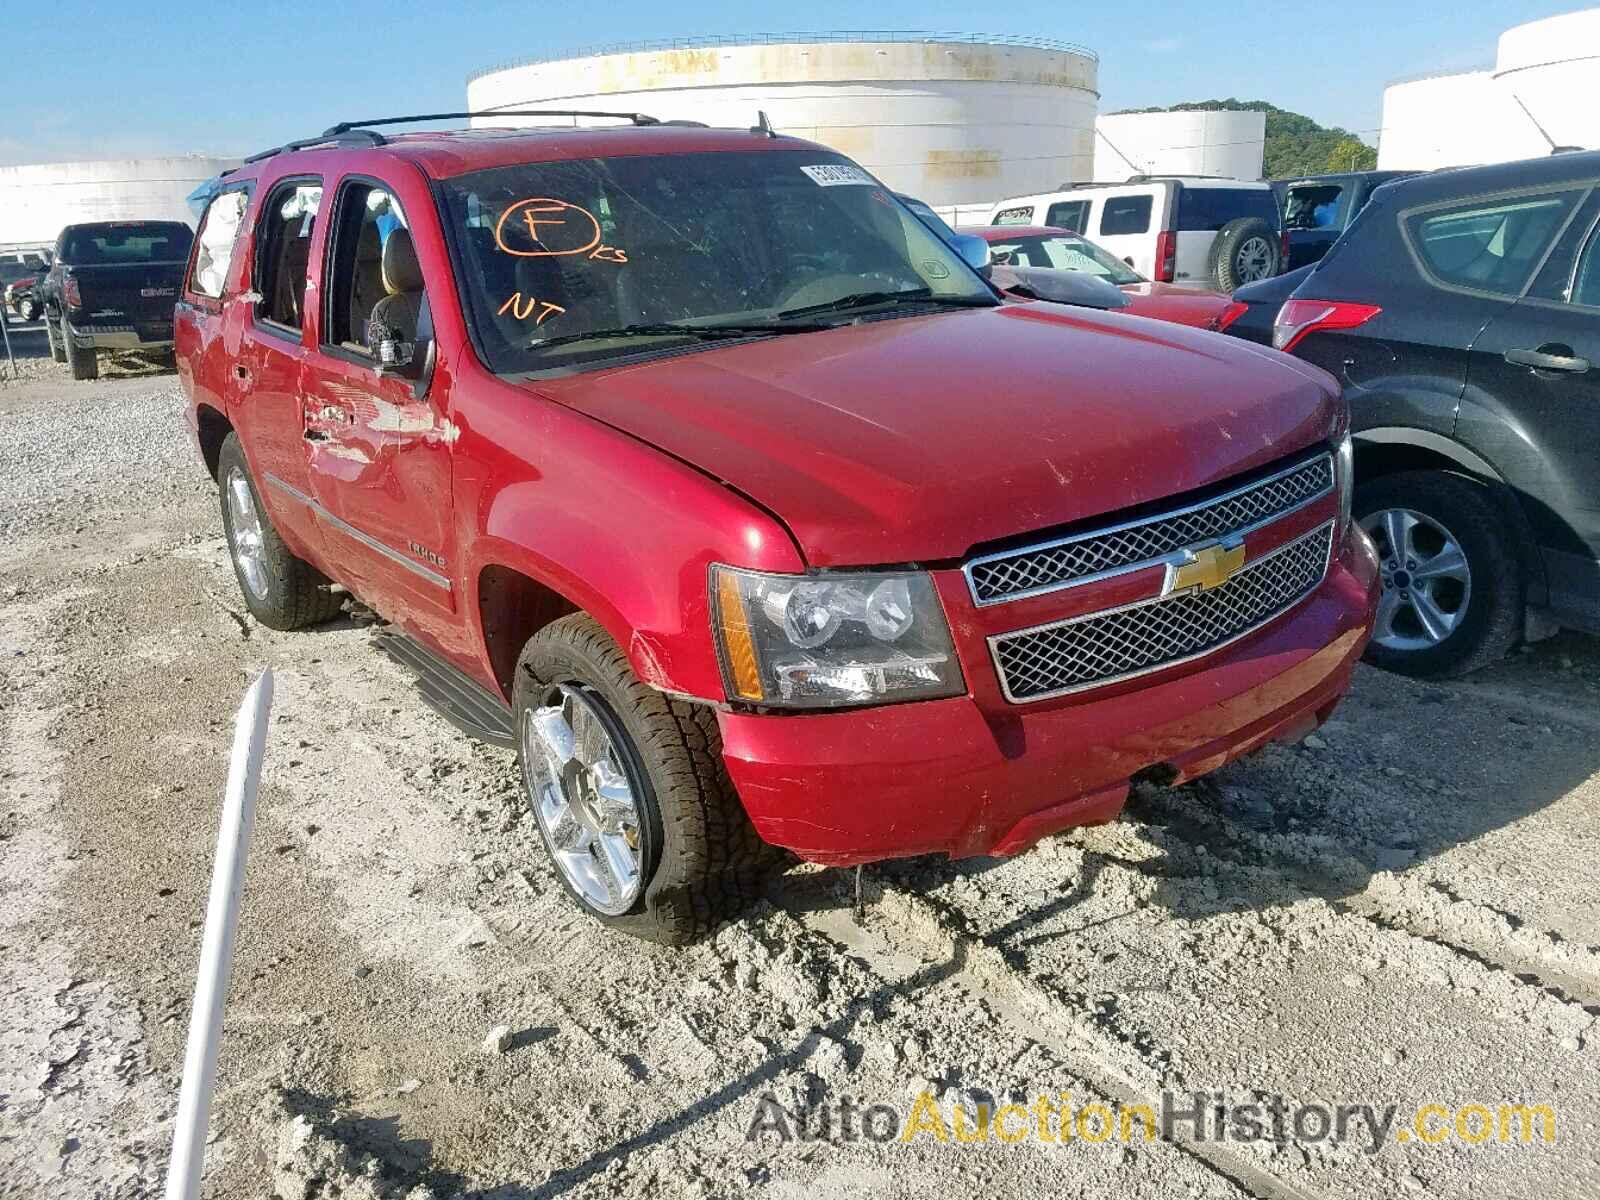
[
  {"x": 821, "y": 641},
  {"x": 1344, "y": 469}
]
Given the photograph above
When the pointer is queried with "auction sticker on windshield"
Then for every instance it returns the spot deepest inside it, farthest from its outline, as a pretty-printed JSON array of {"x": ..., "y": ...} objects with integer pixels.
[{"x": 833, "y": 174}]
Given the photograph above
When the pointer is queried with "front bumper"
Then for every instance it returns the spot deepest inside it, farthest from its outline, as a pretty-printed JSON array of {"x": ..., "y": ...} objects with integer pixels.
[{"x": 970, "y": 775}]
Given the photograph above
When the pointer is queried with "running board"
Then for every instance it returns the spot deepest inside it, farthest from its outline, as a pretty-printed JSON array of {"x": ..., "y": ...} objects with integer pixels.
[{"x": 450, "y": 692}]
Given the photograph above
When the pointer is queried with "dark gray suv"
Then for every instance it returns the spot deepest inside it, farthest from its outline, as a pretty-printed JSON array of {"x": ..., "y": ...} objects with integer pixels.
[{"x": 1461, "y": 311}]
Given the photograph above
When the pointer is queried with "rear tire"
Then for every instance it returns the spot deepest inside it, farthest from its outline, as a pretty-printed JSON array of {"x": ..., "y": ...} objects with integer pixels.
[
  {"x": 696, "y": 859},
  {"x": 1479, "y": 599},
  {"x": 280, "y": 590},
  {"x": 83, "y": 364},
  {"x": 1246, "y": 250},
  {"x": 58, "y": 352}
]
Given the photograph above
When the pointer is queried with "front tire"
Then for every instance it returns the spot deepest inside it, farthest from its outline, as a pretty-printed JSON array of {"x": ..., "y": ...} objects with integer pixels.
[
  {"x": 1452, "y": 598},
  {"x": 628, "y": 788},
  {"x": 280, "y": 590}
]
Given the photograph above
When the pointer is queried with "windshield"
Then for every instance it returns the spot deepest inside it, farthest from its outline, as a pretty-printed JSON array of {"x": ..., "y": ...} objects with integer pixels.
[
  {"x": 145, "y": 242},
  {"x": 1063, "y": 252},
  {"x": 552, "y": 255}
]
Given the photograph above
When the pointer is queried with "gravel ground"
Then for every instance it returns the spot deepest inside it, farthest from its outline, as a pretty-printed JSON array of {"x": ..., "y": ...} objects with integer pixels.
[{"x": 1401, "y": 911}]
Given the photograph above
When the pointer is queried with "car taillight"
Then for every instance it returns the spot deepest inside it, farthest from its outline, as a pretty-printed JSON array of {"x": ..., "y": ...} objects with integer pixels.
[
  {"x": 1283, "y": 244},
  {"x": 1299, "y": 317},
  {"x": 70, "y": 292},
  {"x": 1166, "y": 256},
  {"x": 1235, "y": 310}
]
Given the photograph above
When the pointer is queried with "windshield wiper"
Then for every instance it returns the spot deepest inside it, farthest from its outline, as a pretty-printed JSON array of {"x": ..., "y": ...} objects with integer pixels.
[
  {"x": 919, "y": 296},
  {"x": 668, "y": 329}
]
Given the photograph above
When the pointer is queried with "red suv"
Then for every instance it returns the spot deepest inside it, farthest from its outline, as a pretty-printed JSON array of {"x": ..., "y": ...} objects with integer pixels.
[{"x": 679, "y": 459}]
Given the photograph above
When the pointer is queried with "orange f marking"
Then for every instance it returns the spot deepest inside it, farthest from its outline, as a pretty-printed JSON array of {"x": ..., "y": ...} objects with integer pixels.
[{"x": 533, "y": 222}]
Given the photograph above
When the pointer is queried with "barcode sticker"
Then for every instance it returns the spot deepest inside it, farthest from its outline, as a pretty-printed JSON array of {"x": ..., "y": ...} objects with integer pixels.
[{"x": 833, "y": 174}]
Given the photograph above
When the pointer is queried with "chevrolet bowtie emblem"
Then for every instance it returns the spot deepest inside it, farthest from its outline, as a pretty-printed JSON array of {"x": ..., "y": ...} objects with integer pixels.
[{"x": 1213, "y": 566}]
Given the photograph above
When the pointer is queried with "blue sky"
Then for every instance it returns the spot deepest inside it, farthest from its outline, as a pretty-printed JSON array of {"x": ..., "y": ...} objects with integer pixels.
[{"x": 96, "y": 80}]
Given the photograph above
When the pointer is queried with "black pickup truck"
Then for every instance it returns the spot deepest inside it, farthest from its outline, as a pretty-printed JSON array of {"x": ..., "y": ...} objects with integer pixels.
[{"x": 113, "y": 286}]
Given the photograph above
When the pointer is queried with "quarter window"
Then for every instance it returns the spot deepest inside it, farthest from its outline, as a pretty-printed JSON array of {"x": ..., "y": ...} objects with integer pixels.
[
  {"x": 1208, "y": 209},
  {"x": 219, "y": 232},
  {"x": 1489, "y": 246},
  {"x": 1125, "y": 214},
  {"x": 288, "y": 220},
  {"x": 1014, "y": 216}
]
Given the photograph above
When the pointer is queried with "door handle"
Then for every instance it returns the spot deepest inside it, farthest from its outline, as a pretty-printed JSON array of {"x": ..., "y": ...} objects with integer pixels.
[
  {"x": 316, "y": 435},
  {"x": 1552, "y": 356}
]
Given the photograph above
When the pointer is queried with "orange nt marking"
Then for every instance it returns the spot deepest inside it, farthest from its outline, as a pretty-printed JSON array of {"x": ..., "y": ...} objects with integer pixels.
[{"x": 523, "y": 309}]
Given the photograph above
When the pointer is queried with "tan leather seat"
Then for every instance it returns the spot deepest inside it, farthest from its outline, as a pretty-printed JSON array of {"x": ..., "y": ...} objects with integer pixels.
[
  {"x": 401, "y": 309},
  {"x": 366, "y": 286}
]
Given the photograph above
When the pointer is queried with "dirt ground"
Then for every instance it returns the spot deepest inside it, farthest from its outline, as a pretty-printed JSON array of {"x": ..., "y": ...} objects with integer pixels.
[{"x": 1402, "y": 910}]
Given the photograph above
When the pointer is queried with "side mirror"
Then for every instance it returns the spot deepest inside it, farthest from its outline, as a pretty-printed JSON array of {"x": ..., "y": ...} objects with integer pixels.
[
  {"x": 390, "y": 355},
  {"x": 394, "y": 356},
  {"x": 974, "y": 251}
]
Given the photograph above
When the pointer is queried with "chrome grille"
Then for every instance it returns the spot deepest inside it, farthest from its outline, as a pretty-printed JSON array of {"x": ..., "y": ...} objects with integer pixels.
[
  {"x": 1105, "y": 647},
  {"x": 1016, "y": 573}
]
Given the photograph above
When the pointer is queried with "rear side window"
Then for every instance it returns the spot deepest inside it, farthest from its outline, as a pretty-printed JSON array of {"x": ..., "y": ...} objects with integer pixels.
[
  {"x": 1014, "y": 216},
  {"x": 219, "y": 231},
  {"x": 1488, "y": 245},
  {"x": 1068, "y": 214},
  {"x": 288, "y": 219},
  {"x": 1208, "y": 209},
  {"x": 1125, "y": 214}
]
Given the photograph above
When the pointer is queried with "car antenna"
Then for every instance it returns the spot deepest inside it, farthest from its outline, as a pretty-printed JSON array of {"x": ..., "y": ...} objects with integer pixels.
[{"x": 762, "y": 125}]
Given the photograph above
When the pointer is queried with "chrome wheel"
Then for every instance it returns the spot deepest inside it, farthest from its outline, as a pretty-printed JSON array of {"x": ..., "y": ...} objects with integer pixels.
[
  {"x": 1427, "y": 583},
  {"x": 583, "y": 799},
  {"x": 249, "y": 543},
  {"x": 1253, "y": 261}
]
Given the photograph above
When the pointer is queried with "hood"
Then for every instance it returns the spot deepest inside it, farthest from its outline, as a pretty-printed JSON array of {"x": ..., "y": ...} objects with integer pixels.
[
  {"x": 1170, "y": 302},
  {"x": 917, "y": 438}
]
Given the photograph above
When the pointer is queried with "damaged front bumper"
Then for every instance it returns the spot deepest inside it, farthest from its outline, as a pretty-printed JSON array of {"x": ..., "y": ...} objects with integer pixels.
[{"x": 962, "y": 778}]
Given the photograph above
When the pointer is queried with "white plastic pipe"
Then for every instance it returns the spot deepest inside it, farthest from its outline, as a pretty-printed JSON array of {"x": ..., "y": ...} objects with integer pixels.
[{"x": 216, "y": 943}]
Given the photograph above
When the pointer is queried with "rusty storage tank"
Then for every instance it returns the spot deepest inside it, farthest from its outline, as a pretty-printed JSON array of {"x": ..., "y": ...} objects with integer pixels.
[{"x": 954, "y": 119}]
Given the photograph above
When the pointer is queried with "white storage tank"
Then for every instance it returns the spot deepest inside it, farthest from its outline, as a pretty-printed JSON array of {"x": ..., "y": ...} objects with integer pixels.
[
  {"x": 1540, "y": 90},
  {"x": 1210, "y": 141},
  {"x": 950, "y": 119},
  {"x": 37, "y": 200}
]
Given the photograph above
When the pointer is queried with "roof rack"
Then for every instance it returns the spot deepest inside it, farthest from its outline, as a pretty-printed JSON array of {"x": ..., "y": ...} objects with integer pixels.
[{"x": 348, "y": 133}]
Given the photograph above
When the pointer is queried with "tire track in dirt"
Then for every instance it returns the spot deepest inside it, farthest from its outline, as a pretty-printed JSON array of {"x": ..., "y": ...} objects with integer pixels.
[
  {"x": 1398, "y": 901},
  {"x": 1090, "y": 1047}
]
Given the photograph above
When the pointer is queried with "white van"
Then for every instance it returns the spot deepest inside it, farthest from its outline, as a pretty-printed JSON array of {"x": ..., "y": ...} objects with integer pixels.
[{"x": 1216, "y": 233}]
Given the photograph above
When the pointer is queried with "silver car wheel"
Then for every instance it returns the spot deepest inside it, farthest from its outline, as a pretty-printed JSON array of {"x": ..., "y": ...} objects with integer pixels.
[
  {"x": 1253, "y": 261},
  {"x": 1427, "y": 583},
  {"x": 249, "y": 543},
  {"x": 583, "y": 801}
]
